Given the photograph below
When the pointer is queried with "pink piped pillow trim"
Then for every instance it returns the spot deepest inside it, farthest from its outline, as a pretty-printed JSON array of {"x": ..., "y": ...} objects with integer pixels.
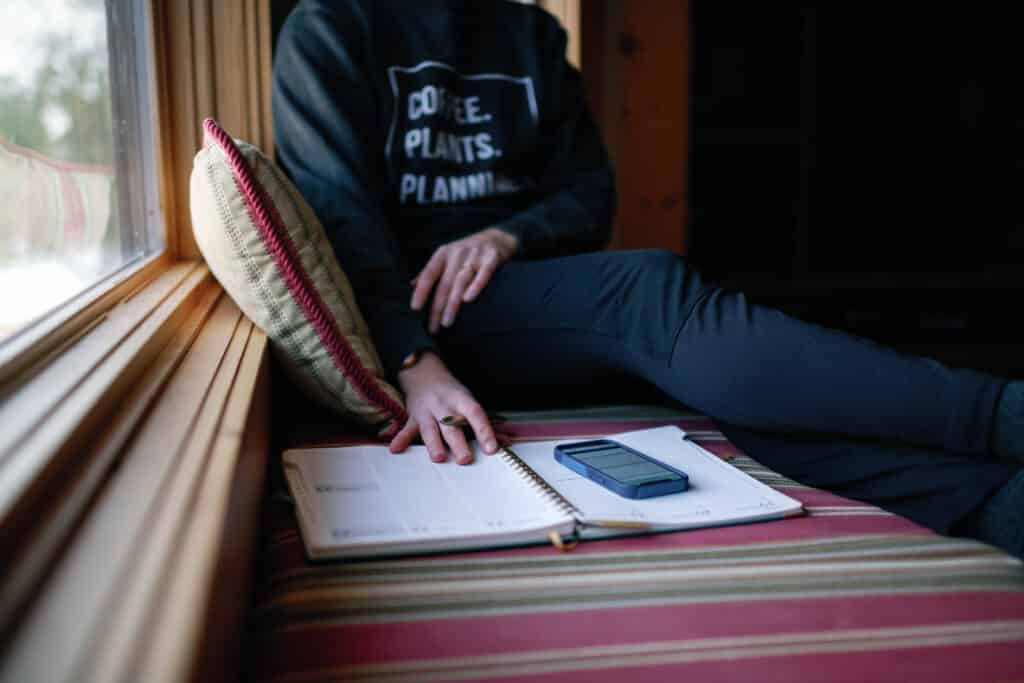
[{"x": 279, "y": 245}]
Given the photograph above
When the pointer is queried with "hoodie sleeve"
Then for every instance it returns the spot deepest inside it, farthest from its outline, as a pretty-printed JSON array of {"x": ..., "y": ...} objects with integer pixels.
[
  {"x": 325, "y": 118},
  {"x": 575, "y": 176}
]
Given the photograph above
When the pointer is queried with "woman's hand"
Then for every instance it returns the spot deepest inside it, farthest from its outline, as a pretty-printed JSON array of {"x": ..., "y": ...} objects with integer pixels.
[
  {"x": 431, "y": 393},
  {"x": 460, "y": 270}
]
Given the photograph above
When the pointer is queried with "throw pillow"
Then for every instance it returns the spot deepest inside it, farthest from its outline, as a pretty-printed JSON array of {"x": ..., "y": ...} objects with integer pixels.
[{"x": 263, "y": 243}]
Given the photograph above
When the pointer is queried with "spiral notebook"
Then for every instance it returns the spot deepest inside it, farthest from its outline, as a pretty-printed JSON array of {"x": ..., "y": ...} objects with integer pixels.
[{"x": 364, "y": 501}]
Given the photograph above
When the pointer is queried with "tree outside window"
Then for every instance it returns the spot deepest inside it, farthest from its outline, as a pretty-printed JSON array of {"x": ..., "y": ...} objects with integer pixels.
[{"x": 60, "y": 225}]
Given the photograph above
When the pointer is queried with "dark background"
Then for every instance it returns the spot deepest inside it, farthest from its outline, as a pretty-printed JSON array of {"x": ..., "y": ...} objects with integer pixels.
[{"x": 860, "y": 166}]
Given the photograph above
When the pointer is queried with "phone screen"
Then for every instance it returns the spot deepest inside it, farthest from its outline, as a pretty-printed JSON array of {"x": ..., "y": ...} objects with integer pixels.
[{"x": 622, "y": 465}]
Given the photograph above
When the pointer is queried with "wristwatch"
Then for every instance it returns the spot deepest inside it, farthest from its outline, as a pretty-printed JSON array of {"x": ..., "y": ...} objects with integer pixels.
[{"x": 413, "y": 358}]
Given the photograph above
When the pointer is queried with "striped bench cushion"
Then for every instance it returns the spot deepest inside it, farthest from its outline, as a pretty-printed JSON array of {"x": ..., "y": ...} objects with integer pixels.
[{"x": 847, "y": 593}]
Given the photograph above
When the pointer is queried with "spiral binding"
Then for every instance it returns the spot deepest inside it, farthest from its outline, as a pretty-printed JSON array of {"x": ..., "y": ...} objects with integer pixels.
[{"x": 537, "y": 482}]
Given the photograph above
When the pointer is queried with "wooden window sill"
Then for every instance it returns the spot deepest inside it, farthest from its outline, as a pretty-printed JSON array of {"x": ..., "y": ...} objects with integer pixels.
[{"x": 130, "y": 484}]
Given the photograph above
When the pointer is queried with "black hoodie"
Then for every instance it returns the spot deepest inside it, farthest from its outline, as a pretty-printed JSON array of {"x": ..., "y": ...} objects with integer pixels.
[{"x": 407, "y": 125}]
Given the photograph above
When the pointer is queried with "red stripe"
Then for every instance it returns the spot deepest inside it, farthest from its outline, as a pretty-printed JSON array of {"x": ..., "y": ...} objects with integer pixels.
[
  {"x": 73, "y": 167},
  {"x": 819, "y": 497},
  {"x": 329, "y": 645},
  {"x": 74, "y": 209},
  {"x": 978, "y": 663},
  {"x": 279, "y": 245}
]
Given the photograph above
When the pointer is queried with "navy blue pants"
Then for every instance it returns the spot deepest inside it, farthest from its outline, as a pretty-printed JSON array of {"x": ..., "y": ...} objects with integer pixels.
[{"x": 821, "y": 406}]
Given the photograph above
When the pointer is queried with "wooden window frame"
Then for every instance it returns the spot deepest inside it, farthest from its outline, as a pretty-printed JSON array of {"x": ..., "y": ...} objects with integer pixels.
[
  {"x": 130, "y": 486},
  {"x": 129, "y": 531},
  {"x": 568, "y": 14}
]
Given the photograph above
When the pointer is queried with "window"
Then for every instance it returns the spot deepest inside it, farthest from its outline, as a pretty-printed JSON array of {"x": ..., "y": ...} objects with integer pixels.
[
  {"x": 133, "y": 401},
  {"x": 78, "y": 200}
]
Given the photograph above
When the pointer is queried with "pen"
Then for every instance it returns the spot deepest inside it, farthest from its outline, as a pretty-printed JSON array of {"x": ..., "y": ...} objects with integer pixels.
[{"x": 617, "y": 524}]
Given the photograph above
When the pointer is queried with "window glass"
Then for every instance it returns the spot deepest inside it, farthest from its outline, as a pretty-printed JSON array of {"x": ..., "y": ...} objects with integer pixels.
[{"x": 75, "y": 145}]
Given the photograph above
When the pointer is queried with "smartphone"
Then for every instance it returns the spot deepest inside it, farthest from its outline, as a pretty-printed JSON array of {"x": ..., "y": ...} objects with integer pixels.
[{"x": 621, "y": 469}]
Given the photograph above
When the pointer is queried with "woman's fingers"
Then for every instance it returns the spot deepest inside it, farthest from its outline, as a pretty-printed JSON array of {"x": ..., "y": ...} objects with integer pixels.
[
  {"x": 440, "y": 437},
  {"x": 432, "y": 440},
  {"x": 463, "y": 277},
  {"x": 425, "y": 280},
  {"x": 488, "y": 264},
  {"x": 459, "y": 446},
  {"x": 481, "y": 424},
  {"x": 435, "y": 438},
  {"x": 404, "y": 438},
  {"x": 453, "y": 262},
  {"x": 452, "y": 282}
]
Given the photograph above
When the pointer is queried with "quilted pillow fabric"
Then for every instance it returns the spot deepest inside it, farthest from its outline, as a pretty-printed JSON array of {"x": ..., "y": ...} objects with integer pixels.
[{"x": 268, "y": 250}]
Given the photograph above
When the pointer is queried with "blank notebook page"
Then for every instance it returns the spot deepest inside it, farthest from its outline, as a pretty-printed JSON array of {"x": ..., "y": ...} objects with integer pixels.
[
  {"x": 366, "y": 493},
  {"x": 718, "y": 491}
]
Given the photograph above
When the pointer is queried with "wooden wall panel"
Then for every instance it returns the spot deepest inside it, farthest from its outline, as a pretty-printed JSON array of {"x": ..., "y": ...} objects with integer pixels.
[
  {"x": 636, "y": 69},
  {"x": 212, "y": 59}
]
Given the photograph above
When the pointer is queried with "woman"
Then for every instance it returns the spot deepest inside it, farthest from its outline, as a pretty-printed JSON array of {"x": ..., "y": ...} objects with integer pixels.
[{"x": 447, "y": 149}]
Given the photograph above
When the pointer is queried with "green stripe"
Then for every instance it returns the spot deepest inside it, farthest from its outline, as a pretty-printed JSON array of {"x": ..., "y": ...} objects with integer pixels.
[
  {"x": 406, "y": 608},
  {"x": 523, "y": 663},
  {"x": 866, "y": 543},
  {"x": 825, "y": 550}
]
